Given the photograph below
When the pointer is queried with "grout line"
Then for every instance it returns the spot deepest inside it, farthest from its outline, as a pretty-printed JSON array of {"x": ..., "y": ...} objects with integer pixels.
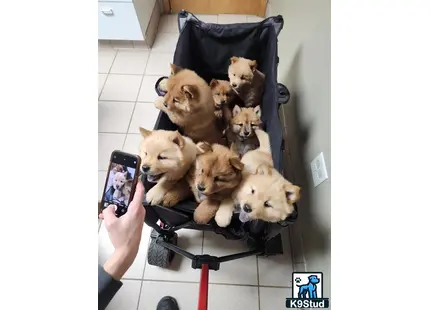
[
  {"x": 227, "y": 284},
  {"x": 203, "y": 241}
]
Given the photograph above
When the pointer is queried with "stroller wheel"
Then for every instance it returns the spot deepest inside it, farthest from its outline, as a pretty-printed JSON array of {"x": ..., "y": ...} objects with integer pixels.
[{"x": 159, "y": 255}]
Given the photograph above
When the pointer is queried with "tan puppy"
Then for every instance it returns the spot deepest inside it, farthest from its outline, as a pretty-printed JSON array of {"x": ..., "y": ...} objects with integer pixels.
[
  {"x": 264, "y": 194},
  {"x": 190, "y": 105},
  {"x": 220, "y": 92},
  {"x": 246, "y": 80},
  {"x": 241, "y": 132},
  {"x": 212, "y": 178},
  {"x": 166, "y": 158}
]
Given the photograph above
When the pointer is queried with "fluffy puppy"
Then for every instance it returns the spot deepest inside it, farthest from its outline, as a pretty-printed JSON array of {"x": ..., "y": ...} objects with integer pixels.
[
  {"x": 241, "y": 132},
  {"x": 190, "y": 105},
  {"x": 119, "y": 179},
  {"x": 221, "y": 91},
  {"x": 117, "y": 167},
  {"x": 166, "y": 158},
  {"x": 246, "y": 80},
  {"x": 264, "y": 194},
  {"x": 126, "y": 191},
  {"x": 212, "y": 178}
]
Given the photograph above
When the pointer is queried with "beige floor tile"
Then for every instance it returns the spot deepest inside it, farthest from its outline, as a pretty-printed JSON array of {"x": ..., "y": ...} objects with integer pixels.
[
  {"x": 231, "y": 19},
  {"x": 159, "y": 63},
  {"x": 115, "y": 116},
  {"x": 121, "y": 44},
  {"x": 121, "y": 87},
  {"x": 168, "y": 23},
  {"x": 132, "y": 143},
  {"x": 241, "y": 271},
  {"x": 127, "y": 297},
  {"x": 232, "y": 297},
  {"x": 101, "y": 182},
  {"x": 212, "y": 19},
  {"x": 147, "y": 90},
  {"x": 130, "y": 62},
  {"x": 106, "y": 57},
  {"x": 180, "y": 268},
  {"x": 145, "y": 115},
  {"x": 253, "y": 19},
  {"x": 186, "y": 294},
  {"x": 108, "y": 142},
  {"x": 165, "y": 42},
  {"x": 274, "y": 298},
  {"x": 102, "y": 80},
  {"x": 106, "y": 249},
  {"x": 269, "y": 268}
]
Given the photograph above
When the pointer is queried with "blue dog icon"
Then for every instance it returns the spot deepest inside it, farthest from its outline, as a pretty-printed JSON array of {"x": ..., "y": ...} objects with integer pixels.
[{"x": 310, "y": 289}]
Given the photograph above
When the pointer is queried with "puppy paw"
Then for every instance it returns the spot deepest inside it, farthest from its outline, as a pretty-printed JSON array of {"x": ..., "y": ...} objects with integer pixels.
[
  {"x": 170, "y": 199},
  {"x": 159, "y": 103},
  {"x": 154, "y": 196},
  {"x": 163, "y": 84},
  {"x": 223, "y": 217},
  {"x": 201, "y": 218}
]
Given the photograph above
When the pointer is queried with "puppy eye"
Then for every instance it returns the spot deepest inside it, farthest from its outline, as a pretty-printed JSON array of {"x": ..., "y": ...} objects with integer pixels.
[
  {"x": 176, "y": 100},
  {"x": 159, "y": 157},
  {"x": 146, "y": 154},
  {"x": 242, "y": 77},
  {"x": 218, "y": 179},
  {"x": 266, "y": 204},
  {"x": 240, "y": 125},
  {"x": 202, "y": 171},
  {"x": 252, "y": 191},
  {"x": 234, "y": 74},
  {"x": 217, "y": 94}
]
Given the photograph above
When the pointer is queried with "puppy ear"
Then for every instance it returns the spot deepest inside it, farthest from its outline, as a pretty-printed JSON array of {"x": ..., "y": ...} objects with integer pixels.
[
  {"x": 203, "y": 147},
  {"x": 213, "y": 83},
  {"x": 191, "y": 91},
  {"x": 253, "y": 65},
  {"x": 234, "y": 59},
  {"x": 125, "y": 173},
  {"x": 174, "y": 69},
  {"x": 236, "y": 110},
  {"x": 144, "y": 132},
  {"x": 236, "y": 163},
  {"x": 257, "y": 111},
  {"x": 263, "y": 170},
  {"x": 178, "y": 139},
  {"x": 292, "y": 192}
]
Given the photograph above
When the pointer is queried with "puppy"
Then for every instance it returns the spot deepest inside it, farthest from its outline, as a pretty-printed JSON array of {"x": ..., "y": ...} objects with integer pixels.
[
  {"x": 212, "y": 178},
  {"x": 264, "y": 194},
  {"x": 241, "y": 132},
  {"x": 166, "y": 158},
  {"x": 246, "y": 80},
  {"x": 220, "y": 92},
  {"x": 119, "y": 179},
  {"x": 117, "y": 168},
  {"x": 190, "y": 105},
  {"x": 126, "y": 191}
]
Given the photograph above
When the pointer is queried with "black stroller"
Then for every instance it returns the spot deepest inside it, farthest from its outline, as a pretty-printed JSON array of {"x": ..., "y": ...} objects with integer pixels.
[{"x": 206, "y": 49}]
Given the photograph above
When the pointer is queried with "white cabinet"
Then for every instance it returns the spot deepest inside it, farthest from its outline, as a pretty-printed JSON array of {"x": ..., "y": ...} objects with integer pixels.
[{"x": 124, "y": 19}]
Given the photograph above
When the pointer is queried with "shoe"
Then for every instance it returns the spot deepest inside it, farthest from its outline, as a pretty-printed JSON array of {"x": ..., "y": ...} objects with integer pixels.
[{"x": 167, "y": 303}]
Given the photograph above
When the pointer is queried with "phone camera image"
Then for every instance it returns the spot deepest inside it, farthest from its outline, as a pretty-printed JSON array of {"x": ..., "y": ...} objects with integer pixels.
[{"x": 118, "y": 187}]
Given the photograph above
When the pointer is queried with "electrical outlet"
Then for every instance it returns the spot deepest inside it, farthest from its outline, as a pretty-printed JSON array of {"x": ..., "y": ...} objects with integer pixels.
[{"x": 319, "y": 171}]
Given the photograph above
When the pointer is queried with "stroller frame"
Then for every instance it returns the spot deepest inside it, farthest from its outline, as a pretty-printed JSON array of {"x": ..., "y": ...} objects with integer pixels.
[{"x": 262, "y": 238}]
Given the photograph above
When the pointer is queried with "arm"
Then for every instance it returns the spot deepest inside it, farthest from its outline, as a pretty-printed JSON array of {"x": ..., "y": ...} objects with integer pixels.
[{"x": 108, "y": 287}]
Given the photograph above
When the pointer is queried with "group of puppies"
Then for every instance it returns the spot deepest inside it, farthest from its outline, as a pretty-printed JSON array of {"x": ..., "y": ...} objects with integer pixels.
[{"x": 223, "y": 158}]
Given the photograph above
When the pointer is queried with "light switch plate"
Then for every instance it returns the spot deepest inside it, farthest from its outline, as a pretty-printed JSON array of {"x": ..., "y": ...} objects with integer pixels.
[{"x": 319, "y": 171}]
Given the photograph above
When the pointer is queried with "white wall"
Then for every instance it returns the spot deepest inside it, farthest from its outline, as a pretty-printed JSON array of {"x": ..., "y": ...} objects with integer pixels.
[{"x": 304, "y": 52}]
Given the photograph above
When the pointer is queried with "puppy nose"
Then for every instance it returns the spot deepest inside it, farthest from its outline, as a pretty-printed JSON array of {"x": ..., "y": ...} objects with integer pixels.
[
  {"x": 247, "y": 208},
  {"x": 201, "y": 187},
  {"x": 222, "y": 101},
  {"x": 234, "y": 85},
  {"x": 165, "y": 104},
  {"x": 246, "y": 133},
  {"x": 145, "y": 168}
]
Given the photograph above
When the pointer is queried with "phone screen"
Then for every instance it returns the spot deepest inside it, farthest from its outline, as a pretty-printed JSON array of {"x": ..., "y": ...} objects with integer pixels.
[{"x": 121, "y": 181}]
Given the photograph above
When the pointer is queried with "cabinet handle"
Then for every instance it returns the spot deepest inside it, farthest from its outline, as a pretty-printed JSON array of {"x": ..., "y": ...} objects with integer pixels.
[{"x": 107, "y": 11}]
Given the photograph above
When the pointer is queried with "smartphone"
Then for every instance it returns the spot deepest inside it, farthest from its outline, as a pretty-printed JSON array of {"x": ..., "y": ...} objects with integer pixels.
[{"x": 121, "y": 181}]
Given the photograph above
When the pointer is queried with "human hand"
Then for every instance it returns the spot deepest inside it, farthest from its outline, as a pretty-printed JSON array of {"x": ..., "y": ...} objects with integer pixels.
[{"x": 124, "y": 233}]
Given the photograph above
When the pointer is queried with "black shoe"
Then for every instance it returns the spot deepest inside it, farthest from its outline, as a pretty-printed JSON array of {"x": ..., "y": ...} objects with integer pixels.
[{"x": 167, "y": 303}]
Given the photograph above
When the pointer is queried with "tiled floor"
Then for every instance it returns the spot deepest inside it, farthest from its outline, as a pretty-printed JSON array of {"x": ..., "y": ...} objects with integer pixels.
[{"x": 126, "y": 95}]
